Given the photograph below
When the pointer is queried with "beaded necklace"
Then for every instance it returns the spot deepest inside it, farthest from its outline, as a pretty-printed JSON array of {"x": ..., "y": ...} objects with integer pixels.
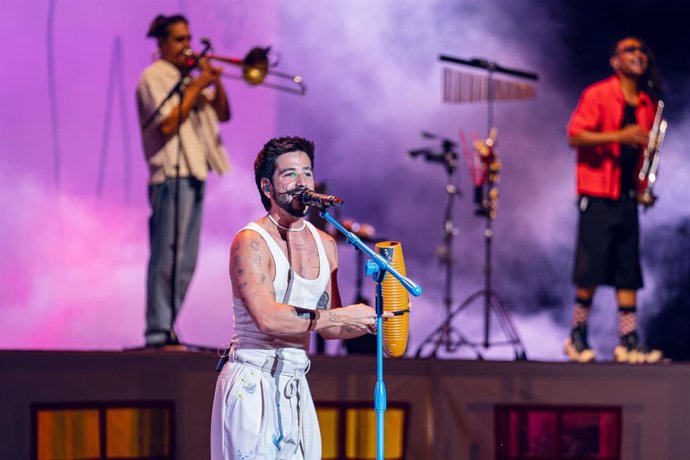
[{"x": 304, "y": 223}]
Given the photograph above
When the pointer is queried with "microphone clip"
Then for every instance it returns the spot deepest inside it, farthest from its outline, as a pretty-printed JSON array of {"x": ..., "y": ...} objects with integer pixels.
[{"x": 447, "y": 157}]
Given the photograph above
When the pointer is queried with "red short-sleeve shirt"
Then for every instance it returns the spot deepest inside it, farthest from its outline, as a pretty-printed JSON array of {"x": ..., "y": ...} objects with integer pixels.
[{"x": 601, "y": 108}]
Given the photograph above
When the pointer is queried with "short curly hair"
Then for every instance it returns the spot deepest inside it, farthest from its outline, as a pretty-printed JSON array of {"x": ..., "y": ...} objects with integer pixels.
[
  {"x": 159, "y": 26},
  {"x": 265, "y": 163}
]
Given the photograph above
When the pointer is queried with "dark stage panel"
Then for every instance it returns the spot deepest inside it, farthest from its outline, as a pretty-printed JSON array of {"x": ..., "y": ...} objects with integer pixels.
[{"x": 446, "y": 409}]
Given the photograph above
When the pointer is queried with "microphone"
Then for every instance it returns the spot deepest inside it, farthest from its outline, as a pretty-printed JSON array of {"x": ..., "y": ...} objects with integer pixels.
[
  {"x": 193, "y": 59},
  {"x": 395, "y": 299},
  {"x": 311, "y": 198}
]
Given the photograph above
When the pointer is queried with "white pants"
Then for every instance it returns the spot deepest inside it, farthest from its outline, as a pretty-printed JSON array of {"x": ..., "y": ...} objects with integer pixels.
[{"x": 263, "y": 408}]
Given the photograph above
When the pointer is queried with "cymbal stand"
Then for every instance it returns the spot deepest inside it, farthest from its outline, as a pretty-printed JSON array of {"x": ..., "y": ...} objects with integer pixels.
[{"x": 445, "y": 336}]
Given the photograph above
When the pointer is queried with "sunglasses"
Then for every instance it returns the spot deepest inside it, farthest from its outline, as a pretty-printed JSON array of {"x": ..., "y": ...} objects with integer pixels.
[{"x": 632, "y": 48}]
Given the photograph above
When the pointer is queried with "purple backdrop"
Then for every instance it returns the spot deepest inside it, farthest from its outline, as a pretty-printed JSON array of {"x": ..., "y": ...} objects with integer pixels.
[{"x": 73, "y": 239}]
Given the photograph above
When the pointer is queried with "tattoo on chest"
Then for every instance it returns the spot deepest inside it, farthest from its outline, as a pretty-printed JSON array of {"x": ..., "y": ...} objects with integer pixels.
[{"x": 322, "y": 304}]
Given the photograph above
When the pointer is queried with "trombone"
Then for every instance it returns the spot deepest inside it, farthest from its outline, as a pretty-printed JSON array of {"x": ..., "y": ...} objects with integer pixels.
[{"x": 256, "y": 67}]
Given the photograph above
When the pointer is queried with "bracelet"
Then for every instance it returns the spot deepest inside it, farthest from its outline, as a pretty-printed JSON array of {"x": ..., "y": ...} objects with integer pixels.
[{"x": 314, "y": 317}]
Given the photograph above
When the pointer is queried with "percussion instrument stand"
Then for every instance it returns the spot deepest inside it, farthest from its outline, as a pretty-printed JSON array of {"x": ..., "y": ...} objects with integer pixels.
[
  {"x": 456, "y": 90},
  {"x": 491, "y": 300},
  {"x": 445, "y": 335},
  {"x": 492, "y": 303}
]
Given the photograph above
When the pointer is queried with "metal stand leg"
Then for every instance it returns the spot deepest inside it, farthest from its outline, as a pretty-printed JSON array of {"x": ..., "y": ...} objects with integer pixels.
[
  {"x": 445, "y": 336},
  {"x": 492, "y": 304}
]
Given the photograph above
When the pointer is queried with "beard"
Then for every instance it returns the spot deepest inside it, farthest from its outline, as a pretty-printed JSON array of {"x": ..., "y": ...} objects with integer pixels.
[{"x": 285, "y": 201}]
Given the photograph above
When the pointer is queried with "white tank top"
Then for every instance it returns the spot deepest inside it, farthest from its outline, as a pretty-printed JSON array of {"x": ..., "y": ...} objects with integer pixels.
[{"x": 304, "y": 293}]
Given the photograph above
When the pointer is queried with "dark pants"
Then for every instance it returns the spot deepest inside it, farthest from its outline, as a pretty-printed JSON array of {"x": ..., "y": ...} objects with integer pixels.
[
  {"x": 161, "y": 308},
  {"x": 608, "y": 244}
]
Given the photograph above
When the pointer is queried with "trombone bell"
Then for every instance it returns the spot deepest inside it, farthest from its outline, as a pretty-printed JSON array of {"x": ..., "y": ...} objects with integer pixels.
[
  {"x": 255, "y": 66},
  {"x": 253, "y": 75}
]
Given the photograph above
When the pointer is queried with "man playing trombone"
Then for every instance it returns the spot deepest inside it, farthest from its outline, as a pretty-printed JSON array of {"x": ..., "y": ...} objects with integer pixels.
[
  {"x": 181, "y": 143},
  {"x": 609, "y": 128}
]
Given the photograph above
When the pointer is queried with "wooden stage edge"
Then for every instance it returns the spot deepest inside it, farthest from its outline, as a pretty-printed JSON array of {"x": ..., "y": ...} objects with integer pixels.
[{"x": 451, "y": 402}]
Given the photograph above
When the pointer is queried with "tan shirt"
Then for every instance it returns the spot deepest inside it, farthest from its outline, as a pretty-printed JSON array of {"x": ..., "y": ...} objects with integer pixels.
[{"x": 202, "y": 148}]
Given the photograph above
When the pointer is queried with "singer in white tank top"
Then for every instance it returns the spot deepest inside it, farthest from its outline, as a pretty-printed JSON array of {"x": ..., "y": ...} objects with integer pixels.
[
  {"x": 284, "y": 288},
  {"x": 267, "y": 368}
]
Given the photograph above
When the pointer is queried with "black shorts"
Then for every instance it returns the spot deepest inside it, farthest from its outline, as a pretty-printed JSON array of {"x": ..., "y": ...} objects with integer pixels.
[{"x": 608, "y": 244}]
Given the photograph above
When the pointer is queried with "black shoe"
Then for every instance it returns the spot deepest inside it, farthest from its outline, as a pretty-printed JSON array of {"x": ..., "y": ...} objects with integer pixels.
[
  {"x": 171, "y": 342},
  {"x": 576, "y": 346},
  {"x": 631, "y": 350}
]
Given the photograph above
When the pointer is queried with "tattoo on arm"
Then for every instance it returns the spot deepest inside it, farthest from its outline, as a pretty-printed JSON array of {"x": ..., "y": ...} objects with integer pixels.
[
  {"x": 254, "y": 244},
  {"x": 238, "y": 266},
  {"x": 331, "y": 317},
  {"x": 322, "y": 304}
]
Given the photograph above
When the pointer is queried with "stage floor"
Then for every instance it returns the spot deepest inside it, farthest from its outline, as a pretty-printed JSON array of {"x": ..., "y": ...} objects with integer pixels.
[{"x": 451, "y": 403}]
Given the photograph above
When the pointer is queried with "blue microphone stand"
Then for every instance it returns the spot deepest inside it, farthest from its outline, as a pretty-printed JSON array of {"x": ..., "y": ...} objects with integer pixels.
[{"x": 377, "y": 267}]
